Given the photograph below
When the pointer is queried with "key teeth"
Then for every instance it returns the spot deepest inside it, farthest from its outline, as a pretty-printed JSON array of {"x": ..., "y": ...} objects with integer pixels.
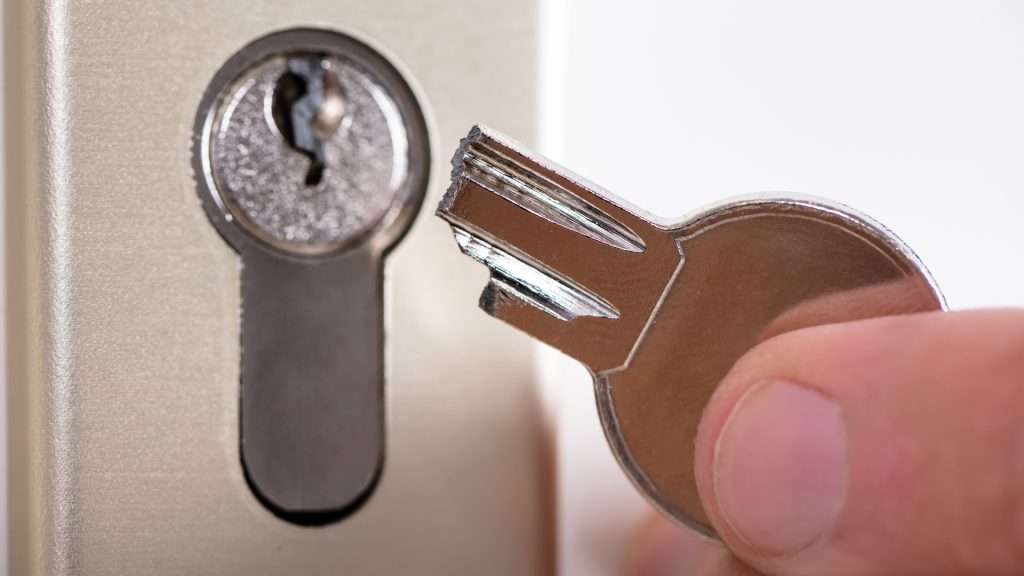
[
  {"x": 526, "y": 282},
  {"x": 458, "y": 169},
  {"x": 481, "y": 159}
]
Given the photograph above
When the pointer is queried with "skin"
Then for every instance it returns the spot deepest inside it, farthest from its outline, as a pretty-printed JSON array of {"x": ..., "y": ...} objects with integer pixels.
[{"x": 932, "y": 408}]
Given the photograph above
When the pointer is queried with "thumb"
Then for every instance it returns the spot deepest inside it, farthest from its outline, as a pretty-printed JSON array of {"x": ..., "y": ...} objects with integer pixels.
[{"x": 885, "y": 446}]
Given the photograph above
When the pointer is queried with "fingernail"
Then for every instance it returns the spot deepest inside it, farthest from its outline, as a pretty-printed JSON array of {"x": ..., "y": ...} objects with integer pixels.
[{"x": 780, "y": 467}]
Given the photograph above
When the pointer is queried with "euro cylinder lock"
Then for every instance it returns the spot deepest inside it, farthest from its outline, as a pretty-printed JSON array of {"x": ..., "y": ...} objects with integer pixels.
[{"x": 311, "y": 156}]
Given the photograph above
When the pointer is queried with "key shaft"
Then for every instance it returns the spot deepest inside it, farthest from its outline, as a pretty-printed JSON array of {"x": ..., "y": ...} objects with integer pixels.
[{"x": 569, "y": 265}]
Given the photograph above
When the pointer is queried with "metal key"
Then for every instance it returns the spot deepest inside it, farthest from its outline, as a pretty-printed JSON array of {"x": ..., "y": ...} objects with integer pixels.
[{"x": 659, "y": 312}]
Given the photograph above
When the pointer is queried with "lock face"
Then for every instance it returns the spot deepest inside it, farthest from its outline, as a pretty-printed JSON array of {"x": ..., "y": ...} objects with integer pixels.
[
  {"x": 313, "y": 156},
  {"x": 132, "y": 352},
  {"x": 364, "y": 176}
]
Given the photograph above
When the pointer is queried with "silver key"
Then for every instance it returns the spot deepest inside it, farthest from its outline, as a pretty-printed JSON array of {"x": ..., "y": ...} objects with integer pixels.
[{"x": 659, "y": 312}]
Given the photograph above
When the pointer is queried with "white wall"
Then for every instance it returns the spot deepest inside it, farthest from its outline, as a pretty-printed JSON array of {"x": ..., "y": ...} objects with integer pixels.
[{"x": 909, "y": 110}]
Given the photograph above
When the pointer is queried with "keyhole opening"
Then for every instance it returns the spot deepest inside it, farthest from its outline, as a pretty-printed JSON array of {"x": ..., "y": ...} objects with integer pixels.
[{"x": 307, "y": 109}]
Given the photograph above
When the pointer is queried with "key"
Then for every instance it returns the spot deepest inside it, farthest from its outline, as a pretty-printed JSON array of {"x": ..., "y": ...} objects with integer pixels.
[{"x": 659, "y": 312}]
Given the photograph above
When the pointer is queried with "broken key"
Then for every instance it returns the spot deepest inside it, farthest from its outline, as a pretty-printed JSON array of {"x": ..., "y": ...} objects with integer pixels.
[{"x": 660, "y": 312}]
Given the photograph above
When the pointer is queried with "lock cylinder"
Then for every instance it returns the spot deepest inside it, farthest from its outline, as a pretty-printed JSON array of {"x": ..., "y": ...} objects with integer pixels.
[{"x": 311, "y": 156}]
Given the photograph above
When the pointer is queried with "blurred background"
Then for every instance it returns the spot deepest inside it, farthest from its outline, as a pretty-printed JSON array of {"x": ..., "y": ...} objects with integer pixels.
[{"x": 908, "y": 110}]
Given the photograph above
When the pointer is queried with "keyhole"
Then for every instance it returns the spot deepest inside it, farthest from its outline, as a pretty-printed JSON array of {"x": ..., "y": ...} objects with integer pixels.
[{"x": 308, "y": 108}]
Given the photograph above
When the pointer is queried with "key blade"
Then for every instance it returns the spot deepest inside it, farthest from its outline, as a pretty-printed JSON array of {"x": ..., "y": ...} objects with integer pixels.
[
  {"x": 547, "y": 290},
  {"x": 490, "y": 167},
  {"x": 569, "y": 264}
]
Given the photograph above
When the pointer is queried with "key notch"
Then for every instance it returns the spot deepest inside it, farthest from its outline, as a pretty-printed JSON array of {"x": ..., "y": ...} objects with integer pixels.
[{"x": 521, "y": 278}]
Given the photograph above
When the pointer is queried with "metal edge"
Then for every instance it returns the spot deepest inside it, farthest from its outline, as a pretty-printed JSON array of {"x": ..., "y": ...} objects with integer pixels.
[
  {"x": 42, "y": 431},
  {"x": 875, "y": 231}
]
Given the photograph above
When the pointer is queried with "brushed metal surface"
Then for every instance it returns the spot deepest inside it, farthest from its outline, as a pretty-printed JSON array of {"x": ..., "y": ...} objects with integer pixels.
[{"x": 124, "y": 309}]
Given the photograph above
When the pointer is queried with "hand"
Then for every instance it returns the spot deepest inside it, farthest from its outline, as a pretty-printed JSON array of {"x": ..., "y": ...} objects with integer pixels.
[{"x": 878, "y": 447}]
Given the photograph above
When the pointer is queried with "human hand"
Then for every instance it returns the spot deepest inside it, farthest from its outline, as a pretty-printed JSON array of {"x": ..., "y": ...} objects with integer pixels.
[{"x": 878, "y": 447}]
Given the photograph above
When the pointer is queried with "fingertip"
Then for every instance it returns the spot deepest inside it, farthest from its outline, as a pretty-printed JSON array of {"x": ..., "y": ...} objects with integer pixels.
[{"x": 857, "y": 447}]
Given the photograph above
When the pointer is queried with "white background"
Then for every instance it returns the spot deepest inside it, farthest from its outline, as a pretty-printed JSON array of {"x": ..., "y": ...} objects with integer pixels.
[{"x": 909, "y": 110}]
